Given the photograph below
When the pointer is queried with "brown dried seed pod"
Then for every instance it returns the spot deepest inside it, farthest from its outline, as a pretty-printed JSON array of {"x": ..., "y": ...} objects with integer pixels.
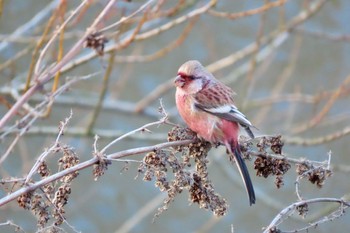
[
  {"x": 40, "y": 209},
  {"x": 178, "y": 133},
  {"x": 43, "y": 169},
  {"x": 24, "y": 200},
  {"x": 97, "y": 42},
  {"x": 62, "y": 195},
  {"x": 277, "y": 144},
  {"x": 266, "y": 166},
  {"x": 303, "y": 209},
  {"x": 281, "y": 166},
  {"x": 279, "y": 181},
  {"x": 263, "y": 166},
  {"x": 318, "y": 176},
  {"x": 262, "y": 144},
  {"x": 148, "y": 175},
  {"x": 274, "y": 229},
  {"x": 100, "y": 167},
  {"x": 301, "y": 168},
  {"x": 69, "y": 159}
]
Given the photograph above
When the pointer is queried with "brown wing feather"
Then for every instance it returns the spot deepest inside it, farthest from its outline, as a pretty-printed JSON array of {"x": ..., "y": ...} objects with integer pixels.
[{"x": 215, "y": 95}]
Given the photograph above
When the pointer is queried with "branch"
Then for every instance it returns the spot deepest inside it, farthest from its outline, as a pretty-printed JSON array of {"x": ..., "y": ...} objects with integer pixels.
[
  {"x": 286, "y": 212},
  {"x": 88, "y": 163}
]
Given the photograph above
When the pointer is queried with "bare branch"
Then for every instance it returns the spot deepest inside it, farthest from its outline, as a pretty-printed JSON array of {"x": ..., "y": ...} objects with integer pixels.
[{"x": 286, "y": 212}]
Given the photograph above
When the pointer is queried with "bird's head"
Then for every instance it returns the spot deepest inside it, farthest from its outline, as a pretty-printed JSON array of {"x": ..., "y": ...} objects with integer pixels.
[{"x": 191, "y": 77}]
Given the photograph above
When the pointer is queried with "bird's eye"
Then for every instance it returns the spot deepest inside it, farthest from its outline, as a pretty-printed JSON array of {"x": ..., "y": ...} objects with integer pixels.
[{"x": 187, "y": 77}]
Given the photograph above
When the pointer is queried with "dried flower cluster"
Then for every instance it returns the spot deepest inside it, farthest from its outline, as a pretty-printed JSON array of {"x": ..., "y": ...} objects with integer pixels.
[
  {"x": 172, "y": 172},
  {"x": 97, "y": 42},
  {"x": 48, "y": 202},
  {"x": 266, "y": 165},
  {"x": 101, "y": 166},
  {"x": 24, "y": 200},
  {"x": 40, "y": 208},
  {"x": 316, "y": 175},
  {"x": 303, "y": 209},
  {"x": 201, "y": 191},
  {"x": 69, "y": 159},
  {"x": 275, "y": 230},
  {"x": 275, "y": 144}
]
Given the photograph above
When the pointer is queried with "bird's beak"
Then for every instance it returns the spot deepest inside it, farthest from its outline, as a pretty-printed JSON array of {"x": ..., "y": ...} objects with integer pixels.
[{"x": 179, "y": 81}]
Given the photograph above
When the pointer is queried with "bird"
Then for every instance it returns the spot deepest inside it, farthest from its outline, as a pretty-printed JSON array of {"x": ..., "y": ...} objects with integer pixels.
[{"x": 207, "y": 107}]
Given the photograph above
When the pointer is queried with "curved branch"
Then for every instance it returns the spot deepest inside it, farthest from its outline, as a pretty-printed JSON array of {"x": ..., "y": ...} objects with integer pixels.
[{"x": 282, "y": 215}]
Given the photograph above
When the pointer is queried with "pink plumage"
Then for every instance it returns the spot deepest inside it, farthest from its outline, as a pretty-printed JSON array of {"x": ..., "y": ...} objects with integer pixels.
[{"x": 207, "y": 107}]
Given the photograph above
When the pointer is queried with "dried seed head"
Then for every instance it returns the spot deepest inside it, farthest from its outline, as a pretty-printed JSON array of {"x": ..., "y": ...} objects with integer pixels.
[
  {"x": 263, "y": 166},
  {"x": 43, "y": 170},
  {"x": 301, "y": 168},
  {"x": 24, "y": 200},
  {"x": 274, "y": 229},
  {"x": 203, "y": 193},
  {"x": 266, "y": 166},
  {"x": 277, "y": 144},
  {"x": 319, "y": 175},
  {"x": 61, "y": 195},
  {"x": 274, "y": 143},
  {"x": 199, "y": 149},
  {"x": 179, "y": 134},
  {"x": 156, "y": 159},
  {"x": 201, "y": 190},
  {"x": 279, "y": 181},
  {"x": 40, "y": 210},
  {"x": 303, "y": 209},
  {"x": 69, "y": 159},
  {"x": 97, "y": 42},
  {"x": 60, "y": 200},
  {"x": 100, "y": 167},
  {"x": 316, "y": 175}
]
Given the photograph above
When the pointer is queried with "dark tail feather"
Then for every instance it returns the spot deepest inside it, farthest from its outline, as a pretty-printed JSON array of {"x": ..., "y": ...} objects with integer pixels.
[
  {"x": 243, "y": 170},
  {"x": 248, "y": 130}
]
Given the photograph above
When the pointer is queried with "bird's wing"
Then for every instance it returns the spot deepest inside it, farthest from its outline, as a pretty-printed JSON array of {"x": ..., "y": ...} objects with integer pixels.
[{"x": 218, "y": 100}]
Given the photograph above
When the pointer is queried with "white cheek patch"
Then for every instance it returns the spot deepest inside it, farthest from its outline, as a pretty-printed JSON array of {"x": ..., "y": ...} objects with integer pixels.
[{"x": 195, "y": 86}]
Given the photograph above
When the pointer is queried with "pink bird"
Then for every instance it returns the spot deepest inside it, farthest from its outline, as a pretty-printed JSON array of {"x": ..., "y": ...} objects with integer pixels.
[{"x": 207, "y": 107}]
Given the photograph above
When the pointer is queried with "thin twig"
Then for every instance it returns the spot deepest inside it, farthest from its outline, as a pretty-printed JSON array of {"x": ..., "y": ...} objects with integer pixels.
[
  {"x": 262, "y": 9},
  {"x": 50, "y": 150},
  {"x": 125, "y": 19},
  {"x": 88, "y": 163},
  {"x": 289, "y": 209},
  {"x": 38, "y": 45},
  {"x": 45, "y": 12},
  {"x": 320, "y": 116},
  {"x": 102, "y": 95},
  {"x": 140, "y": 129}
]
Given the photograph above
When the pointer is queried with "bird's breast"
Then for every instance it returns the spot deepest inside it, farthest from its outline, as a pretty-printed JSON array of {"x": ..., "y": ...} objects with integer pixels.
[{"x": 205, "y": 125}]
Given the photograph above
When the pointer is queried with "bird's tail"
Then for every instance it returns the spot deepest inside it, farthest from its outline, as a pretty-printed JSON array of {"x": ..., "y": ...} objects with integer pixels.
[{"x": 243, "y": 170}]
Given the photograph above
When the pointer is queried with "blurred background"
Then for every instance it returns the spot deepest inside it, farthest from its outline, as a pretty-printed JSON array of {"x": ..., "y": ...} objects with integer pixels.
[{"x": 288, "y": 62}]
